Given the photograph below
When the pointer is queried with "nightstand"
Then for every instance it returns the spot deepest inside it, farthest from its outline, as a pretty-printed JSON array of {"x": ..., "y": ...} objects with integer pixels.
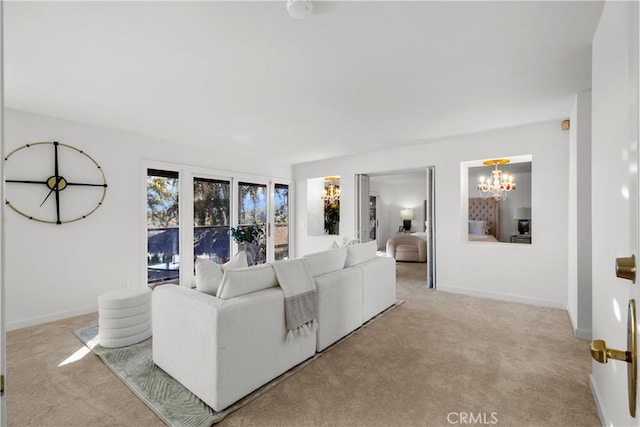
[{"x": 521, "y": 238}]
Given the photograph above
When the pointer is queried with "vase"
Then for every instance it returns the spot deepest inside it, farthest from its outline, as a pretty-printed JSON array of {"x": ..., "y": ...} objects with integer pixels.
[{"x": 248, "y": 249}]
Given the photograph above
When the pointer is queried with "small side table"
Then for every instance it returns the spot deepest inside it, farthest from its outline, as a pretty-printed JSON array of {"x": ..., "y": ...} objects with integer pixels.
[
  {"x": 521, "y": 238},
  {"x": 124, "y": 317}
]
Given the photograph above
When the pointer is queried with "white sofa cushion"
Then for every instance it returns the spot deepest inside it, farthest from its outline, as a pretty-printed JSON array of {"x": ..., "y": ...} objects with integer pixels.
[
  {"x": 360, "y": 253},
  {"x": 246, "y": 280},
  {"x": 326, "y": 261},
  {"x": 209, "y": 274},
  {"x": 339, "y": 305},
  {"x": 378, "y": 285}
]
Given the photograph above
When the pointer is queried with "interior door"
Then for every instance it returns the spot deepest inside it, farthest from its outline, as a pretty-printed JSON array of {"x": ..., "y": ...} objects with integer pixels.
[
  {"x": 3, "y": 400},
  {"x": 362, "y": 208},
  {"x": 373, "y": 218},
  {"x": 614, "y": 201}
]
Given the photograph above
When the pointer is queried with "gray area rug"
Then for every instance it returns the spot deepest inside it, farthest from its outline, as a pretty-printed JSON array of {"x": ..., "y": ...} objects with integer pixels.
[
  {"x": 170, "y": 400},
  {"x": 173, "y": 403}
]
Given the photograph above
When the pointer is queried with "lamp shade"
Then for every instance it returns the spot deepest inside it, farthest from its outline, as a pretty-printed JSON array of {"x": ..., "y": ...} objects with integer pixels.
[
  {"x": 406, "y": 213},
  {"x": 522, "y": 213}
]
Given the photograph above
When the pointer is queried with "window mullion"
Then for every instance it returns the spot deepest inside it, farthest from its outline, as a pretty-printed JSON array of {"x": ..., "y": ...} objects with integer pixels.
[
  {"x": 235, "y": 209},
  {"x": 186, "y": 228},
  {"x": 270, "y": 222}
]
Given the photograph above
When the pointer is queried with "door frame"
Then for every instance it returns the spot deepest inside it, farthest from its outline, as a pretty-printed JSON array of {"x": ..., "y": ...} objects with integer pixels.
[
  {"x": 430, "y": 214},
  {"x": 3, "y": 344}
]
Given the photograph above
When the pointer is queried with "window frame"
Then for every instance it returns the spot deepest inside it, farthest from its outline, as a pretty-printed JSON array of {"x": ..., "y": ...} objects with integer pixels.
[
  {"x": 271, "y": 226},
  {"x": 168, "y": 171},
  {"x": 186, "y": 175},
  {"x": 217, "y": 179}
]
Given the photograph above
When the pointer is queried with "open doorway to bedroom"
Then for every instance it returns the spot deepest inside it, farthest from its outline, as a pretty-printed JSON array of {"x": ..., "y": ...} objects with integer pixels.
[{"x": 402, "y": 202}]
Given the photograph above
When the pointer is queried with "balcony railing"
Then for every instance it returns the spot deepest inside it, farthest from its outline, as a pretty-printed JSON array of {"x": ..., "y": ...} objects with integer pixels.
[{"x": 163, "y": 244}]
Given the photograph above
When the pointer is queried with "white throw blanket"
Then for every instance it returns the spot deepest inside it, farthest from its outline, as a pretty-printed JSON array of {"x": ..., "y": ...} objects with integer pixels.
[{"x": 300, "y": 304}]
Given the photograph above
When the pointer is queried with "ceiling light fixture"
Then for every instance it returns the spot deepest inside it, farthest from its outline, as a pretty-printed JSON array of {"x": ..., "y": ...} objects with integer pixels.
[
  {"x": 299, "y": 9},
  {"x": 331, "y": 193},
  {"x": 498, "y": 185}
]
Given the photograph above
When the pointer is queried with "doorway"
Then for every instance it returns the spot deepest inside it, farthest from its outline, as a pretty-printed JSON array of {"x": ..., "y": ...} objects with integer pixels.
[
  {"x": 373, "y": 217},
  {"x": 383, "y": 201}
]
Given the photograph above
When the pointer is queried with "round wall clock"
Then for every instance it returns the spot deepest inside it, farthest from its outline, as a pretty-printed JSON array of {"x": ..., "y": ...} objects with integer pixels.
[{"x": 53, "y": 183}]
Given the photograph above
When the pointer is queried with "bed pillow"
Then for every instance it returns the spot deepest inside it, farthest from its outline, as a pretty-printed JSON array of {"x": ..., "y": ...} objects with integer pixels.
[
  {"x": 209, "y": 274},
  {"x": 476, "y": 227}
]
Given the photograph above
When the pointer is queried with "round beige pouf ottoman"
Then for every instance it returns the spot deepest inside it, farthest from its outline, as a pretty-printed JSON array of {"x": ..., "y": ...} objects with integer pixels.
[{"x": 124, "y": 317}]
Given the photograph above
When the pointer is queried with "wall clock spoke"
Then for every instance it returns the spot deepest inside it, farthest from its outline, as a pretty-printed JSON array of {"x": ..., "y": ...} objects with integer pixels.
[
  {"x": 24, "y": 181},
  {"x": 86, "y": 184}
]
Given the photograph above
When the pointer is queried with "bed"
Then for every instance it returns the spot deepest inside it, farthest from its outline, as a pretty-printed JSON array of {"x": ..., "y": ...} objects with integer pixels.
[
  {"x": 484, "y": 220},
  {"x": 482, "y": 238}
]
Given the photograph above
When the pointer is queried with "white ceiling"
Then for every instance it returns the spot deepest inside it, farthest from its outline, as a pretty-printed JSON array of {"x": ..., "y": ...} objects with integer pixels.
[{"x": 353, "y": 77}]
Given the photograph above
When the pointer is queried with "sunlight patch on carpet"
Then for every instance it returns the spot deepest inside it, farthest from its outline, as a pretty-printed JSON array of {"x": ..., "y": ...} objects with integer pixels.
[{"x": 81, "y": 352}]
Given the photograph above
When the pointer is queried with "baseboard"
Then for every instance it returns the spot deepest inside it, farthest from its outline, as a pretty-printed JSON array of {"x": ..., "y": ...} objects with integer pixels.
[
  {"x": 502, "y": 297},
  {"x": 596, "y": 399},
  {"x": 19, "y": 324},
  {"x": 583, "y": 334}
]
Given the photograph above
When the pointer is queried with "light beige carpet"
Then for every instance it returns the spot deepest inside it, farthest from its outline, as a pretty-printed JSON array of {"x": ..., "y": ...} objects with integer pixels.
[{"x": 425, "y": 362}]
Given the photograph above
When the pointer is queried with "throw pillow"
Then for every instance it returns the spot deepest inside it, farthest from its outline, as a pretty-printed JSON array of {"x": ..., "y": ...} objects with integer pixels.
[
  {"x": 242, "y": 281},
  {"x": 476, "y": 227},
  {"x": 344, "y": 241},
  {"x": 238, "y": 261},
  {"x": 209, "y": 274}
]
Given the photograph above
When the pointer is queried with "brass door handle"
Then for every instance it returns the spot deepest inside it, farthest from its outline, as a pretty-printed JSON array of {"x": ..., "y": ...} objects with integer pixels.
[
  {"x": 602, "y": 354},
  {"x": 626, "y": 268}
]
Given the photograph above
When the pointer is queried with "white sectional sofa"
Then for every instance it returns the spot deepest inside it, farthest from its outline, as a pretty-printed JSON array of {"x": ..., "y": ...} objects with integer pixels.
[
  {"x": 353, "y": 285},
  {"x": 225, "y": 346}
]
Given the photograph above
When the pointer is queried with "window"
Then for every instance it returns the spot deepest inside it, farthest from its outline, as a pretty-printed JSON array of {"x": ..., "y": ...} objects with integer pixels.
[
  {"x": 252, "y": 209},
  {"x": 163, "y": 235},
  {"x": 281, "y": 221},
  {"x": 189, "y": 213},
  {"x": 211, "y": 219}
]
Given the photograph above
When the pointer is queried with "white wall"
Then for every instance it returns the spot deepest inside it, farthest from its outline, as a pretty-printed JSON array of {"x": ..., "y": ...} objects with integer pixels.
[
  {"x": 315, "y": 206},
  {"x": 534, "y": 273},
  {"x": 56, "y": 271}
]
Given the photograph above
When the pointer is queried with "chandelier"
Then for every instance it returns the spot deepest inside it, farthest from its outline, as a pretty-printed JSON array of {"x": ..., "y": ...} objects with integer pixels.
[
  {"x": 331, "y": 194},
  {"x": 498, "y": 184}
]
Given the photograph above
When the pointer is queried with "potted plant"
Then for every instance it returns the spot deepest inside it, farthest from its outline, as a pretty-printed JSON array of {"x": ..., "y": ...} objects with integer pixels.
[{"x": 247, "y": 236}]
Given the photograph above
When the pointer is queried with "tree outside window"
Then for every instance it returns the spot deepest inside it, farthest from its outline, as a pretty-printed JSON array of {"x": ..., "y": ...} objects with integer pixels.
[
  {"x": 253, "y": 210},
  {"x": 211, "y": 205},
  {"x": 163, "y": 237}
]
